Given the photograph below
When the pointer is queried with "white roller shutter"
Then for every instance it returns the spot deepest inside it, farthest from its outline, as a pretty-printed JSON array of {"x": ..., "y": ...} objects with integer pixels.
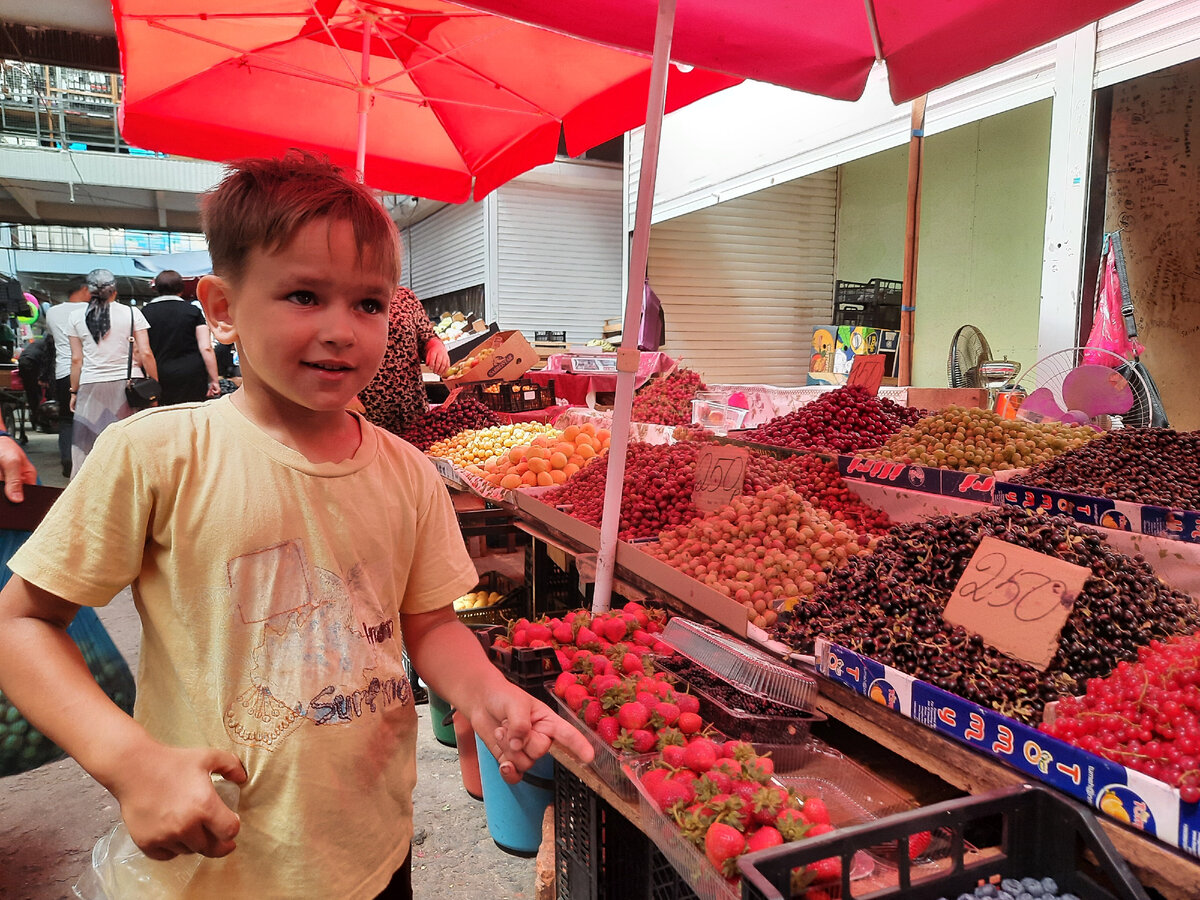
[
  {"x": 559, "y": 258},
  {"x": 743, "y": 283},
  {"x": 1144, "y": 38},
  {"x": 448, "y": 251}
]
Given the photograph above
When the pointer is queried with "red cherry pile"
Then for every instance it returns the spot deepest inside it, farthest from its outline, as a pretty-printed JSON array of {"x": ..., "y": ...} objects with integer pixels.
[
  {"x": 667, "y": 400},
  {"x": 850, "y": 418},
  {"x": 1145, "y": 716},
  {"x": 443, "y": 422},
  {"x": 660, "y": 479}
]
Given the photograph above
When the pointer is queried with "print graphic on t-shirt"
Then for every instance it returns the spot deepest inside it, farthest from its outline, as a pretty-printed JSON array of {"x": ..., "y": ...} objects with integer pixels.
[{"x": 320, "y": 646}]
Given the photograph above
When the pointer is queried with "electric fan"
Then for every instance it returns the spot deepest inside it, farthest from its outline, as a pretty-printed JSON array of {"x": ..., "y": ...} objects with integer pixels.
[
  {"x": 1058, "y": 388},
  {"x": 971, "y": 365}
]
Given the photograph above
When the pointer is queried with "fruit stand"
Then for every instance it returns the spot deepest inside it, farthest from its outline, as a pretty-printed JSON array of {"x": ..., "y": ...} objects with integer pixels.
[{"x": 846, "y": 532}]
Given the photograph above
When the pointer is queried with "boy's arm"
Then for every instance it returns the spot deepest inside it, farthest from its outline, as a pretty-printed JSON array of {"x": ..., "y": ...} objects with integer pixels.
[
  {"x": 166, "y": 795},
  {"x": 516, "y": 727}
]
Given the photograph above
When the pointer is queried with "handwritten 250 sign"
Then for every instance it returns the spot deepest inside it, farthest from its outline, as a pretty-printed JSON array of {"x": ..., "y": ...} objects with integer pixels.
[
  {"x": 720, "y": 473},
  {"x": 1016, "y": 599}
]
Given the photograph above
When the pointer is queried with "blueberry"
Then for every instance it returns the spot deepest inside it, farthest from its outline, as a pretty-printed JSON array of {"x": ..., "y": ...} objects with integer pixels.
[
  {"x": 1012, "y": 885},
  {"x": 1050, "y": 886},
  {"x": 985, "y": 890},
  {"x": 966, "y": 897},
  {"x": 1024, "y": 895},
  {"x": 1004, "y": 895},
  {"x": 1030, "y": 883},
  {"x": 1036, "y": 889},
  {"x": 1068, "y": 897}
]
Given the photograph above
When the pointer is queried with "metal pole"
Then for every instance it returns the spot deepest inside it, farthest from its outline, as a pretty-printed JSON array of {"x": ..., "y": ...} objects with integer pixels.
[
  {"x": 628, "y": 355},
  {"x": 364, "y": 101}
]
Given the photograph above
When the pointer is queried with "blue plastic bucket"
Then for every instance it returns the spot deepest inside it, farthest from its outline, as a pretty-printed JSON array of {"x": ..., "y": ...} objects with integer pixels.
[{"x": 515, "y": 811}]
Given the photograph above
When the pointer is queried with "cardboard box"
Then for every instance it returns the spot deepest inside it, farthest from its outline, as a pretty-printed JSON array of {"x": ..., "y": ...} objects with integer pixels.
[
  {"x": 935, "y": 399},
  {"x": 1144, "y": 803},
  {"x": 1120, "y": 515},
  {"x": 947, "y": 482},
  {"x": 511, "y": 357}
]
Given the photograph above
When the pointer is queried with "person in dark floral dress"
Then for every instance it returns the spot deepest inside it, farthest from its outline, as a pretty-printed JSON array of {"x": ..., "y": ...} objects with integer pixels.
[{"x": 395, "y": 399}]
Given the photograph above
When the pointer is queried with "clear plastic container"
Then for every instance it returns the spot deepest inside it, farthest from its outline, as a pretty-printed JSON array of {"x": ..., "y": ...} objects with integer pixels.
[
  {"x": 607, "y": 762},
  {"x": 746, "y": 668},
  {"x": 717, "y": 417}
]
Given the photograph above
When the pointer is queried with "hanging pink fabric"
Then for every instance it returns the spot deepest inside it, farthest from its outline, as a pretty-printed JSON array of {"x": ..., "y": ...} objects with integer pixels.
[{"x": 1108, "y": 325}]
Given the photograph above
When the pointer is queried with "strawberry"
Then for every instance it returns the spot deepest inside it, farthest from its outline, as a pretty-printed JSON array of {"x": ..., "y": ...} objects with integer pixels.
[
  {"x": 647, "y": 699},
  {"x": 759, "y": 769},
  {"x": 719, "y": 777},
  {"x": 722, "y": 845},
  {"x": 671, "y": 792},
  {"x": 672, "y": 755},
  {"x": 918, "y": 843},
  {"x": 592, "y": 711},
  {"x": 565, "y": 659},
  {"x": 815, "y": 812},
  {"x": 689, "y": 722},
  {"x": 687, "y": 703},
  {"x": 585, "y": 637},
  {"x": 564, "y": 681},
  {"x": 635, "y": 609},
  {"x": 739, "y": 750},
  {"x": 520, "y": 638},
  {"x": 745, "y": 789},
  {"x": 768, "y": 801},
  {"x": 539, "y": 632},
  {"x": 668, "y": 712},
  {"x": 613, "y": 629},
  {"x": 575, "y": 696},
  {"x": 602, "y": 683},
  {"x": 762, "y": 838},
  {"x": 563, "y": 633},
  {"x": 643, "y": 740},
  {"x": 819, "y": 829},
  {"x": 644, "y": 639},
  {"x": 668, "y": 737},
  {"x": 633, "y": 715},
  {"x": 791, "y": 825},
  {"x": 609, "y": 729},
  {"x": 825, "y": 869},
  {"x": 700, "y": 755}
]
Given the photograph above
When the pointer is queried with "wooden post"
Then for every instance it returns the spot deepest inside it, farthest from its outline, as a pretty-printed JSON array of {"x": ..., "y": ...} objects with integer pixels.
[{"x": 912, "y": 231}]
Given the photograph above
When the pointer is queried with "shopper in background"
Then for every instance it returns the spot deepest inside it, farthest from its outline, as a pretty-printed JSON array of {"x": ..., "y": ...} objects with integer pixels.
[
  {"x": 57, "y": 319},
  {"x": 100, "y": 336},
  {"x": 271, "y": 651},
  {"x": 396, "y": 397},
  {"x": 182, "y": 344},
  {"x": 35, "y": 365}
]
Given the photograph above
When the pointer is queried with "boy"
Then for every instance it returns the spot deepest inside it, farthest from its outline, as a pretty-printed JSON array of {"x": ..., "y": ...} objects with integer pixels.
[{"x": 271, "y": 644}]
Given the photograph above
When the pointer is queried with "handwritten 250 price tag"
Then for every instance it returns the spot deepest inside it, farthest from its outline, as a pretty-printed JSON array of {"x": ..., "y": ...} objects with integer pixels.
[
  {"x": 1016, "y": 599},
  {"x": 867, "y": 370},
  {"x": 720, "y": 473}
]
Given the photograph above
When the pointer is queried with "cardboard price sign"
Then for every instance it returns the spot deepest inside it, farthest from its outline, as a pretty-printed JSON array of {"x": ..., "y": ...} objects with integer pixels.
[
  {"x": 1016, "y": 599},
  {"x": 720, "y": 473},
  {"x": 452, "y": 396},
  {"x": 867, "y": 370}
]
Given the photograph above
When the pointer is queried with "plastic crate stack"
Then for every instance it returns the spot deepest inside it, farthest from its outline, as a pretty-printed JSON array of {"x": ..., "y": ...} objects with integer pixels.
[
  {"x": 870, "y": 304},
  {"x": 516, "y": 396}
]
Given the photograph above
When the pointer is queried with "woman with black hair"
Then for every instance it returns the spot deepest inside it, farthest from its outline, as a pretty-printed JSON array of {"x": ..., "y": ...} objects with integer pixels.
[{"x": 100, "y": 336}]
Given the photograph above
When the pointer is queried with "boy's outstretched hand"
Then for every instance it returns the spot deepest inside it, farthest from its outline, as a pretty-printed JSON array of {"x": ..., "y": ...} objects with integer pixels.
[
  {"x": 524, "y": 729},
  {"x": 170, "y": 806}
]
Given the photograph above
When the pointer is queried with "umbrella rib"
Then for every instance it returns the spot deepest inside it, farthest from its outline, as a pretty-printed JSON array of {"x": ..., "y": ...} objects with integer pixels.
[
  {"x": 873, "y": 26},
  {"x": 333, "y": 41}
]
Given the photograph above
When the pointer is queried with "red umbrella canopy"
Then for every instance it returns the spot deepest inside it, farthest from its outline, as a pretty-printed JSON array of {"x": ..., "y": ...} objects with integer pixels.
[
  {"x": 826, "y": 47},
  {"x": 458, "y": 101}
]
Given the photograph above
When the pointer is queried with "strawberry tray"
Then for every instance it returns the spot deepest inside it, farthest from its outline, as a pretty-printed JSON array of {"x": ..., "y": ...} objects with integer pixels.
[
  {"x": 608, "y": 762},
  {"x": 690, "y": 862}
]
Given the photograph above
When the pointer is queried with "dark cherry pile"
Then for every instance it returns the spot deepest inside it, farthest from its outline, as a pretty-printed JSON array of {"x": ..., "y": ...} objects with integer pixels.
[
  {"x": 1145, "y": 716},
  {"x": 850, "y": 418},
  {"x": 667, "y": 400},
  {"x": 888, "y": 605},
  {"x": 660, "y": 478},
  {"x": 443, "y": 422},
  {"x": 1155, "y": 466}
]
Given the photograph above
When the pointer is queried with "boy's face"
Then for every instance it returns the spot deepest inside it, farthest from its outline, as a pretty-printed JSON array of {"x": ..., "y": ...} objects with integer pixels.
[{"x": 311, "y": 323}]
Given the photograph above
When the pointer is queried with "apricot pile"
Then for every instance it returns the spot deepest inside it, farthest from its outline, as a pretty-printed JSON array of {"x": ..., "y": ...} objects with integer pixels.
[{"x": 546, "y": 460}]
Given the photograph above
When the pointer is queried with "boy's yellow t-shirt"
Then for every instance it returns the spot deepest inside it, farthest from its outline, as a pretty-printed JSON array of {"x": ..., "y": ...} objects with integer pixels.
[{"x": 268, "y": 588}]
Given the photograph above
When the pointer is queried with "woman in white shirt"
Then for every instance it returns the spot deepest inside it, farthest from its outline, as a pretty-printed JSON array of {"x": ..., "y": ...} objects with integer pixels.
[{"x": 100, "y": 336}]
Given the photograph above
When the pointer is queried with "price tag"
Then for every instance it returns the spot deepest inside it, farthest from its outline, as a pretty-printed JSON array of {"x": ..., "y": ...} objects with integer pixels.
[
  {"x": 1016, "y": 599},
  {"x": 720, "y": 473},
  {"x": 867, "y": 370},
  {"x": 453, "y": 395},
  {"x": 446, "y": 469}
]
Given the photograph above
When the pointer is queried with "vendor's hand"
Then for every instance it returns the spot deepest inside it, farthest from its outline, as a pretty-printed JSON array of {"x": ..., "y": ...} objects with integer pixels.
[
  {"x": 16, "y": 469},
  {"x": 170, "y": 806},
  {"x": 519, "y": 730},
  {"x": 436, "y": 356}
]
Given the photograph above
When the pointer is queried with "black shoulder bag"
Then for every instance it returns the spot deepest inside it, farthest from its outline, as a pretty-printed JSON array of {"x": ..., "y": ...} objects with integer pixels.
[{"x": 140, "y": 392}]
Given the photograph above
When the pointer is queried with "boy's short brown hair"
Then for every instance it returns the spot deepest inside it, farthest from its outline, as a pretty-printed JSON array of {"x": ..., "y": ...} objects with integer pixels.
[{"x": 263, "y": 202}]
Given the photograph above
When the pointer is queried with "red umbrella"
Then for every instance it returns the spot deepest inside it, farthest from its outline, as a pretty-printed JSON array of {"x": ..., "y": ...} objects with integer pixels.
[{"x": 459, "y": 101}]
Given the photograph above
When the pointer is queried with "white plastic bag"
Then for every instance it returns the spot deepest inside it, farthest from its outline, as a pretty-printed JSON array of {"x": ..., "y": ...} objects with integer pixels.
[{"x": 120, "y": 871}]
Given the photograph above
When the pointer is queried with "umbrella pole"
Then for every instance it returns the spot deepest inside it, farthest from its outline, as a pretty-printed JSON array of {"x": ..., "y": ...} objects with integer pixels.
[
  {"x": 912, "y": 231},
  {"x": 628, "y": 355},
  {"x": 364, "y": 102}
]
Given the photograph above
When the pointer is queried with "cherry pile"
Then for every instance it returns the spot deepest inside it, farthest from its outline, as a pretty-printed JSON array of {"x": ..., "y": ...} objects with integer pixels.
[
  {"x": 850, "y": 418},
  {"x": 660, "y": 478},
  {"x": 443, "y": 422},
  {"x": 1155, "y": 466},
  {"x": 888, "y": 605},
  {"x": 1145, "y": 716},
  {"x": 667, "y": 400},
  {"x": 766, "y": 551}
]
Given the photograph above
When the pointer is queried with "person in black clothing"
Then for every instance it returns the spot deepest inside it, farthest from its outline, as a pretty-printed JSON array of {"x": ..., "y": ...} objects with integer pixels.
[
  {"x": 36, "y": 368},
  {"x": 187, "y": 366}
]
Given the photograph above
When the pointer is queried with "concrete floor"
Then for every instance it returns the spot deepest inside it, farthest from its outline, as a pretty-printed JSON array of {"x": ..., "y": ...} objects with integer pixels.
[{"x": 51, "y": 817}]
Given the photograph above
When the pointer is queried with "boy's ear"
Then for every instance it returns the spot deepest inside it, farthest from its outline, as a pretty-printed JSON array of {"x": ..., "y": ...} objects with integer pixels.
[{"x": 213, "y": 293}]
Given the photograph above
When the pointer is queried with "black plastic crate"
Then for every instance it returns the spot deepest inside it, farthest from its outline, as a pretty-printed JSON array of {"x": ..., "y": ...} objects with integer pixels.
[
  {"x": 513, "y": 602},
  {"x": 1041, "y": 834},
  {"x": 554, "y": 337},
  {"x": 529, "y": 668},
  {"x": 516, "y": 396},
  {"x": 870, "y": 304},
  {"x": 551, "y": 588}
]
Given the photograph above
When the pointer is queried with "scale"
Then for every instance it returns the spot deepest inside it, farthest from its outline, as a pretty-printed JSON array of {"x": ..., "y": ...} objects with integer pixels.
[{"x": 592, "y": 364}]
